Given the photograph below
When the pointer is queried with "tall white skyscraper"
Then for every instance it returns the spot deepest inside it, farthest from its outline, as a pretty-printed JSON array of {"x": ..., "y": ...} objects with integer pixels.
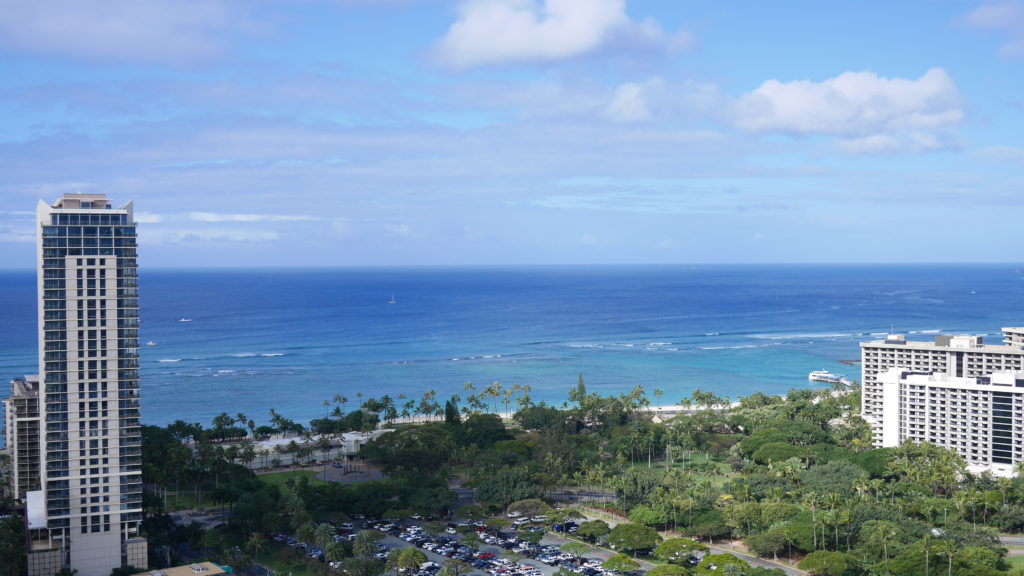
[{"x": 87, "y": 512}]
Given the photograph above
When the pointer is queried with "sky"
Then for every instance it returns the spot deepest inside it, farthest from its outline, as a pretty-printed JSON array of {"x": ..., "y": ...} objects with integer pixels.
[{"x": 433, "y": 132}]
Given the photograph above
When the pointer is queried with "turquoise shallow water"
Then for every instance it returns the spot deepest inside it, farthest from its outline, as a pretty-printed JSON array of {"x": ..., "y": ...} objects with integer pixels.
[{"x": 290, "y": 339}]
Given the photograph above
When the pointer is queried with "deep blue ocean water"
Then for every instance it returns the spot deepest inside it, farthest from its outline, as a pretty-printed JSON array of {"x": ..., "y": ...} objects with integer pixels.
[{"x": 290, "y": 339}]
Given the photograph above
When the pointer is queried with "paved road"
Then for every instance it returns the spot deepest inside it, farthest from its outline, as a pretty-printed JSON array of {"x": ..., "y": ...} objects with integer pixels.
[{"x": 208, "y": 518}]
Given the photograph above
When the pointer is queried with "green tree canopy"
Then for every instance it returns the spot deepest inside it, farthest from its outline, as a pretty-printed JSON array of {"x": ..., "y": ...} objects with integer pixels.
[
  {"x": 621, "y": 563},
  {"x": 720, "y": 562},
  {"x": 575, "y": 548},
  {"x": 837, "y": 477},
  {"x": 633, "y": 538},
  {"x": 667, "y": 570},
  {"x": 593, "y": 530},
  {"x": 539, "y": 417},
  {"x": 829, "y": 563},
  {"x": 678, "y": 550},
  {"x": 13, "y": 561},
  {"x": 648, "y": 515},
  {"x": 483, "y": 430},
  {"x": 530, "y": 507},
  {"x": 419, "y": 449},
  {"x": 504, "y": 485}
]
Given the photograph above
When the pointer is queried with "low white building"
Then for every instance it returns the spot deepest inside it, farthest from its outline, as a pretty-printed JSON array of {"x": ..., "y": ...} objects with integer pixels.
[{"x": 342, "y": 447}]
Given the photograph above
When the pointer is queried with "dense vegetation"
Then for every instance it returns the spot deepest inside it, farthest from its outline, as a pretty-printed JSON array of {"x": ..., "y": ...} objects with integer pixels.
[{"x": 789, "y": 478}]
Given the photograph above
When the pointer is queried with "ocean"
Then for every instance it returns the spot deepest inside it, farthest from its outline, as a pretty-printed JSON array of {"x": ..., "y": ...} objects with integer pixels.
[{"x": 290, "y": 339}]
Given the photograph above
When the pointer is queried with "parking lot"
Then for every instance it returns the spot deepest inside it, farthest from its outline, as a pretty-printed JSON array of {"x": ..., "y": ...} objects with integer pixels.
[{"x": 499, "y": 553}]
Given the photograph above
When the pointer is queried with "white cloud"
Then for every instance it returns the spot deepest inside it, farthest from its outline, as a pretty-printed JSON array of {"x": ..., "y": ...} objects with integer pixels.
[
  {"x": 164, "y": 31},
  {"x": 212, "y": 217},
  {"x": 505, "y": 31},
  {"x": 1002, "y": 154},
  {"x": 399, "y": 229},
  {"x": 1006, "y": 17},
  {"x": 874, "y": 144},
  {"x": 148, "y": 218},
  {"x": 628, "y": 104},
  {"x": 20, "y": 235},
  {"x": 677, "y": 201},
  {"x": 152, "y": 236},
  {"x": 868, "y": 112}
]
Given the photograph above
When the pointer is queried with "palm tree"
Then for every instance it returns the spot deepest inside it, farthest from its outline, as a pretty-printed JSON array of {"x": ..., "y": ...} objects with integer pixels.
[
  {"x": 365, "y": 542},
  {"x": 334, "y": 552},
  {"x": 949, "y": 550},
  {"x": 394, "y": 561},
  {"x": 927, "y": 551},
  {"x": 324, "y": 445},
  {"x": 210, "y": 539},
  {"x": 886, "y": 531},
  {"x": 732, "y": 570},
  {"x": 305, "y": 533},
  {"x": 255, "y": 544},
  {"x": 411, "y": 558},
  {"x": 506, "y": 399},
  {"x": 453, "y": 567},
  {"x": 323, "y": 536}
]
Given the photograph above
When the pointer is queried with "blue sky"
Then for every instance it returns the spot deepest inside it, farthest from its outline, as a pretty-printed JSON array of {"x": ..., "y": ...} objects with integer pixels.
[{"x": 418, "y": 132}]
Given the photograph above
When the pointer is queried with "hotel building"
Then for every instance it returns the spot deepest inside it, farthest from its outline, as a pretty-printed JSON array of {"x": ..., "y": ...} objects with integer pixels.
[
  {"x": 86, "y": 510},
  {"x": 897, "y": 374},
  {"x": 21, "y": 422},
  {"x": 980, "y": 418}
]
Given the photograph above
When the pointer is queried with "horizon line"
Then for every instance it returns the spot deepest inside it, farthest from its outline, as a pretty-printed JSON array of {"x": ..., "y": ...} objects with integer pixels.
[{"x": 214, "y": 267}]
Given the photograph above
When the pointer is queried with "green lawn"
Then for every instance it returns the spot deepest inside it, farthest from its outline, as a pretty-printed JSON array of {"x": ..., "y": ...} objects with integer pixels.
[
  {"x": 187, "y": 500},
  {"x": 1015, "y": 561},
  {"x": 699, "y": 465},
  {"x": 279, "y": 479}
]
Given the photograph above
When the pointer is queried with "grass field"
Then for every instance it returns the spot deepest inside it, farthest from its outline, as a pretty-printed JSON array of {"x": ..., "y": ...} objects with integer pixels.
[
  {"x": 1016, "y": 561},
  {"x": 700, "y": 466},
  {"x": 187, "y": 500},
  {"x": 280, "y": 479}
]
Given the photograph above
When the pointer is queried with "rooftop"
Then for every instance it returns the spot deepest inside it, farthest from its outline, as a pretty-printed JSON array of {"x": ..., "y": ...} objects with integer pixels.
[
  {"x": 80, "y": 201},
  {"x": 961, "y": 341},
  {"x": 198, "y": 568}
]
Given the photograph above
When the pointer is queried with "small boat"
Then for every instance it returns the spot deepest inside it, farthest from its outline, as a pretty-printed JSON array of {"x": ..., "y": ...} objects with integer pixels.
[
  {"x": 392, "y": 301},
  {"x": 184, "y": 319},
  {"x": 150, "y": 343},
  {"x": 825, "y": 376}
]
